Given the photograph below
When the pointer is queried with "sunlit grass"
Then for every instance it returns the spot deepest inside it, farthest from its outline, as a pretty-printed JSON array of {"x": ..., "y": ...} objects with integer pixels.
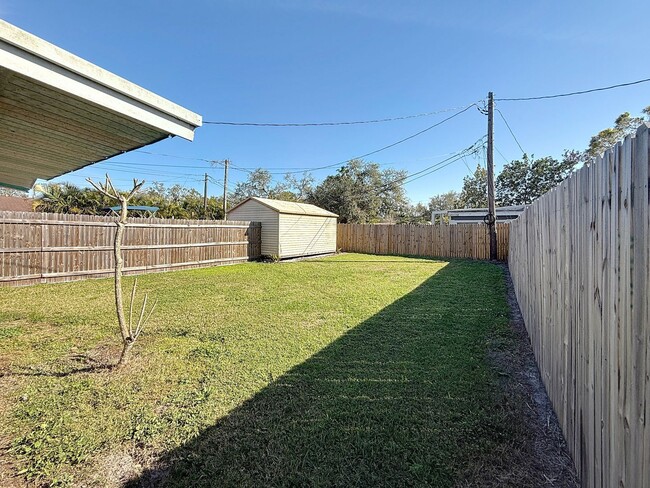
[{"x": 385, "y": 354}]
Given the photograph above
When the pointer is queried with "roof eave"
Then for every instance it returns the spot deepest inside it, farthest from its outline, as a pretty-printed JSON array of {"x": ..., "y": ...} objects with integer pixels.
[{"x": 75, "y": 72}]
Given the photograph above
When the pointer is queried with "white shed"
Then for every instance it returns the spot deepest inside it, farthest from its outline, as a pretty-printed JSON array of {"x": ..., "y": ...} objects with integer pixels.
[{"x": 289, "y": 229}]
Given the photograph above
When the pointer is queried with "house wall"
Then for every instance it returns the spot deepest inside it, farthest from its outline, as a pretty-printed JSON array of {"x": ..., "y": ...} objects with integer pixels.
[
  {"x": 303, "y": 235},
  {"x": 256, "y": 212}
]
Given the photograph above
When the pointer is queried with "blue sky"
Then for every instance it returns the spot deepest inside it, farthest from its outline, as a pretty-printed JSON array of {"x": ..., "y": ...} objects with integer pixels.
[{"x": 340, "y": 60}]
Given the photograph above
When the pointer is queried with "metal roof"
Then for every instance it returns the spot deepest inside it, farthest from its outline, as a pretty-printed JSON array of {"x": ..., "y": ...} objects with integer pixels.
[
  {"x": 294, "y": 208},
  {"x": 59, "y": 113},
  {"x": 145, "y": 208}
]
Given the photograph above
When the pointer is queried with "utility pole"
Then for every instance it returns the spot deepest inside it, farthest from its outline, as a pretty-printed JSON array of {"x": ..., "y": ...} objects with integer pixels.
[
  {"x": 491, "y": 217},
  {"x": 225, "y": 188},
  {"x": 205, "y": 197}
]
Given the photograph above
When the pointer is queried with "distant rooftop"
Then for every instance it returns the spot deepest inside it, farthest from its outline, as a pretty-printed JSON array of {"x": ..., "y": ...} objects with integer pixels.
[{"x": 16, "y": 204}]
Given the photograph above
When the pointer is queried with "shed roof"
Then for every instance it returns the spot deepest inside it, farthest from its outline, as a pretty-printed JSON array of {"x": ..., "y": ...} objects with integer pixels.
[
  {"x": 293, "y": 208},
  {"x": 59, "y": 113}
]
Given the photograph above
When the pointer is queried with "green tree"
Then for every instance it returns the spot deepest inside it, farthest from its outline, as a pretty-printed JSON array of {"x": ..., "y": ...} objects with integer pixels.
[
  {"x": 444, "y": 201},
  {"x": 69, "y": 198},
  {"x": 300, "y": 188},
  {"x": 173, "y": 202},
  {"x": 624, "y": 125},
  {"x": 259, "y": 183},
  {"x": 415, "y": 214},
  {"x": 179, "y": 202},
  {"x": 360, "y": 192},
  {"x": 474, "y": 192},
  {"x": 524, "y": 180}
]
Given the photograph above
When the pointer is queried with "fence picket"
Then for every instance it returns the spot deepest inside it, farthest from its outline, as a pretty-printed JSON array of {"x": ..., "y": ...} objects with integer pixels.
[
  {"x": 40, "y": 248},
  {"x": 580, "y": 263},
  {"x": 443, "y": 241}
]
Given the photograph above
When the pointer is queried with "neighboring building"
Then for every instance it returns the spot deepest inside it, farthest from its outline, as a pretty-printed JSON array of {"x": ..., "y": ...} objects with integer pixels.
[
  {"x": 16, "y": 204},
  {"x": 289, "y": 229},
  {"x": 476, "y": 215}
]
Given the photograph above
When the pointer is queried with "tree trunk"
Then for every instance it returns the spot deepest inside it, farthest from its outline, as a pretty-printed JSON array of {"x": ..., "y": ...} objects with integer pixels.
[{"x": 127, "y": 340}]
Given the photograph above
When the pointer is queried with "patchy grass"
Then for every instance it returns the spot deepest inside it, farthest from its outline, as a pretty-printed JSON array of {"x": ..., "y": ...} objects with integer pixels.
[{"x": 350, "y": 370}]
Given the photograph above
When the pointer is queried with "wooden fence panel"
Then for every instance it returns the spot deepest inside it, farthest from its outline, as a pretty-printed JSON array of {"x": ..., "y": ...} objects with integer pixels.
[
  {"x": 443, "y": 241},
  {"x": 43, "y": 248},
  {"x": 580, "y": 263}
]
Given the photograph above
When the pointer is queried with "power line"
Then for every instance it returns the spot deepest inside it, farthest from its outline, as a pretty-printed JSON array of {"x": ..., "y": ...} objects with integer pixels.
[
  {"x": 501, "y": 154},
  {"x": 171, "y": 156},
  {"x": 121, "y": 162},
  {"x": 412, "y": 136},
  {"x": 433, "y": 168},
  {"x": 277, "y": 170},
  {"x": 152, "y": 172},
  {"x": 469, "y": 170},
  {"x": 433, "y": 171},
  {"x": 130, "y": 180},
  {"x": 321, "y": 124},
  {"x": 439, "y": 165},
  {"x": 511, "y": 133},
  {"x": 582, "y": 92}
]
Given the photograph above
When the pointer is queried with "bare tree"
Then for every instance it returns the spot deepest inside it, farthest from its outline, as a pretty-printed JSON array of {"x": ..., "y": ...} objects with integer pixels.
[{"x": 129, "y": 333}]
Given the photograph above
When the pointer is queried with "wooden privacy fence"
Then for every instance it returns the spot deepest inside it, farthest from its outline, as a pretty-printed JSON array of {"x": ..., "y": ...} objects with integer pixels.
[
  {"x": 444, "y": 241},
  {"x": 42, "y": 248},
  {"x": 579, "y": 261}
]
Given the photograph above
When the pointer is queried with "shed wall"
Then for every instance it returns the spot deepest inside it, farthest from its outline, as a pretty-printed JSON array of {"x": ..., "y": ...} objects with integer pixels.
[
  {"x": 302, "y": 235},
  {"x": 253, "y": 211}
]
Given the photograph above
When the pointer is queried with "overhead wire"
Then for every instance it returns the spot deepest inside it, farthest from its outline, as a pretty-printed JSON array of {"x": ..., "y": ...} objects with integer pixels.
[
  {"x": 467, "y": 166},
  {"x": 501, "y": 154},
  {"x": 570, "y": 94},
  {"x": 439, "y": 165},
  {"x": 306, "y": 169},
  {"x": 161, "y": 176},
  {"x": 412, "y": 136},
  {"x": 511, "y": 132},
  {"x": 323, "y": 124}
]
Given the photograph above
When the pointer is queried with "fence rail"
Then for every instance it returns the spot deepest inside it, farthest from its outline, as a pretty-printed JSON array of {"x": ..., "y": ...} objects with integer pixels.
[
  {"x": 445, "y": 241},
  {"x": 579, "y": 259},
  {"x": 43, "y": 248}
]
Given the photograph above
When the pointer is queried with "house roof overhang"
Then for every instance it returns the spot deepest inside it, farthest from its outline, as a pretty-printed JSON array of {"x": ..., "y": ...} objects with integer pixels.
[{"x": 59, "y": 112}]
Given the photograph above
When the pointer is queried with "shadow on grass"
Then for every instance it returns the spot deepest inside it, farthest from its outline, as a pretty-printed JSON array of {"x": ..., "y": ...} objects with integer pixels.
[
  {"x": 91, "y": 366},
  {"x": 404, "y": 398}
]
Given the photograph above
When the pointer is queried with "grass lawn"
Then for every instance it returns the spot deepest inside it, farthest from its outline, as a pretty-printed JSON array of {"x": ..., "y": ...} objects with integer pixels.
[{"x": 353, "y": 370}]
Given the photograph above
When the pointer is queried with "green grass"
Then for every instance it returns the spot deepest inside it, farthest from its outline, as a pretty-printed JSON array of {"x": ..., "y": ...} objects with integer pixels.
[{"x": 351, "y": 370}]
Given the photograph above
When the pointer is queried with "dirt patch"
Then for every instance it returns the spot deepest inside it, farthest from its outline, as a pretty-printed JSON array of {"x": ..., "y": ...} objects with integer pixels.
[
  {"x": 114, "y": 470},
  {"x": 541, "y": 456}
]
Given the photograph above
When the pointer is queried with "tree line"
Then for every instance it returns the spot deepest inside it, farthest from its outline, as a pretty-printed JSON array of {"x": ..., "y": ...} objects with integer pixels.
[
  {"x": 360, "y": 191},
  {"x": 522, "y": 181},
  {"x": 173, "y": 202}
]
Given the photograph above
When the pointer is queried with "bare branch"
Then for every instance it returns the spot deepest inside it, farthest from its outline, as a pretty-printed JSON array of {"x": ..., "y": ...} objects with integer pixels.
[
  {"x": 109, "y": 183},
  {"x": 144, "y": 306},
  {"x": 100, "y": 189},
  {"x": 136, "y": 188},
  {"x": 141, "y": 325}
]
